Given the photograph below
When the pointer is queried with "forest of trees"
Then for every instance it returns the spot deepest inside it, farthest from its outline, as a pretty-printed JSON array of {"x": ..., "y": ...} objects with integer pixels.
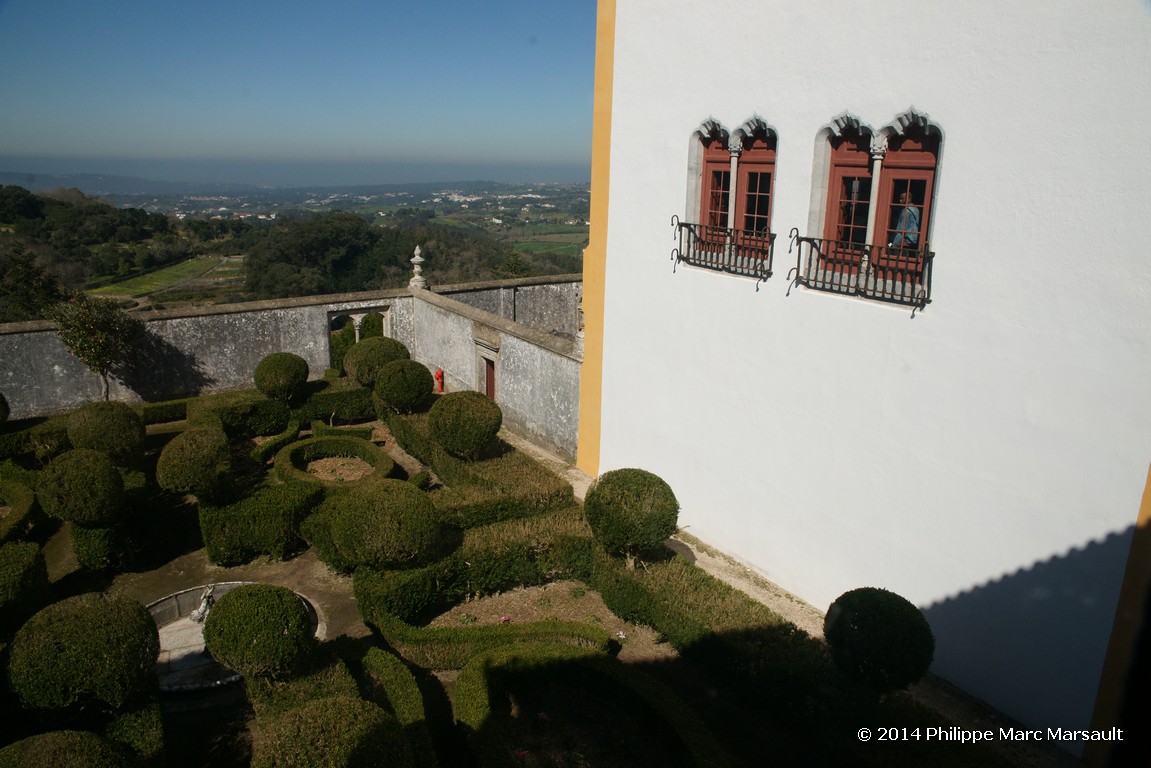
[{"x": 65, "y": 240}]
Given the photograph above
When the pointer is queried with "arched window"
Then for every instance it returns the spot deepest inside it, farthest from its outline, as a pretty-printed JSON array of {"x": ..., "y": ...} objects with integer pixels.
[
  {"x": 872, "y": 212},
  {"x": 730, "y": 182}
]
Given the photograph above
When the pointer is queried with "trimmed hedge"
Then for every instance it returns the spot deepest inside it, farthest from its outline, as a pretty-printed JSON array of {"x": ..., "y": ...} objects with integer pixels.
[
  {"x": 465, "y": 423},
  {"x": 634, "y": 691},
  {"x": 98, "y": 548},
  {"x": 111, "y": 427},
  {"x": 501, "y": 488},
  {"x": 631, "y": 510},
  {"x": 338, "y": 731},
  {"x": 267, "y": 449},
  {"x": 364, "y": 360},
  {"x": 82, "y": 486},
  {"x": 162, "y": 413},
  {"x": 196, "y": 461},
  {"x": 281, "y": 376},
  {"x": 403, "y": 386},
  {"x": 382, "y": 524},
  {"x": 23, "y": 512},
  {"x": 242, "y": 414},
  {"x": 73, "y": 749},
  {"x": 342, "y": 400},
  {"x": 292, "y": 461},
  {"x": 320, "y": 429},
  {"x": 140, "y": 731},
  {"x": 878, "y": 639},
  {"x": 264, "y": 523},
  {"x": 85, "y": 649},
  {"x": 390, "y": 683},
  {"x": 24, "y": 586},
  {"x": 260, "y": 630}
]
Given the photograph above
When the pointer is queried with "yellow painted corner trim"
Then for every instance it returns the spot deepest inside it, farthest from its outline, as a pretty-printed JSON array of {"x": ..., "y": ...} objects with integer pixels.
[{"x": 595, "y": 255}]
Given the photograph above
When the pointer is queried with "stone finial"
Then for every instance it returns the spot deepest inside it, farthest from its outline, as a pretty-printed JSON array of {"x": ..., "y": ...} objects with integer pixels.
[{"x": 417, "y": 280}]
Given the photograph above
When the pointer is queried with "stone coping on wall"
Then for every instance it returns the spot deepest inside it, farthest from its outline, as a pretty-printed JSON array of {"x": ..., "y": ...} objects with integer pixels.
[
  {"x": 556, "y": 344},
  {"x": 333, "y": 300},
  {"x": 183, "y": 663}
]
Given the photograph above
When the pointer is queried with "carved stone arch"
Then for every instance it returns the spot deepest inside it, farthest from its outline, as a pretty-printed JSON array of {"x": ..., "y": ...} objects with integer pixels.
[
  {"x": 752, "y": 128},
  {"x": 843, "y": 125},
  {"x": 710, "y": 130},
  {"x": 912, "y": 121}
]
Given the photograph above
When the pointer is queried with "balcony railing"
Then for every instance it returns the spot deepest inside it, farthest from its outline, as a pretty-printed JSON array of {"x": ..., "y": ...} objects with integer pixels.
[
  {"x": 882, "y": 272},
  {"x": 726, "y": 250}
]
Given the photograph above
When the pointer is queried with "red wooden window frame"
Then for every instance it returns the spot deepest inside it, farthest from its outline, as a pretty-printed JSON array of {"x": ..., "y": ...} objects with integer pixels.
[
  {"x": 909, "y": 165},
  {"x": 756, "y": 167},
  {"x": 715, "y": 184},
  {"x": 848, "y": 201}
]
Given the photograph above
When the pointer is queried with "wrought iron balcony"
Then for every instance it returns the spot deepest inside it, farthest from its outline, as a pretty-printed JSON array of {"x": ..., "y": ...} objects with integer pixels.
[
  {"x": 726, "y": 250},
  {"x": 882, "y": 272}
]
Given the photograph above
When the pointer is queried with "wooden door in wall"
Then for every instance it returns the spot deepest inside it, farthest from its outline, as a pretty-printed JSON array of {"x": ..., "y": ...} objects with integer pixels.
[{"x": 490, "y": 378}]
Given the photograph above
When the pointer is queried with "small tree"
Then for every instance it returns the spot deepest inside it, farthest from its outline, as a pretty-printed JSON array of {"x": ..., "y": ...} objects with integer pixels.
[
  {"x": 465, "y": 423},
  {"x": 630, "y": 510},
  {"x": 281, "y": 375},
  {"x": 260, "y": 630},
  {"x": 878, "y": 639},
  {"x": 97, "y": 332}
]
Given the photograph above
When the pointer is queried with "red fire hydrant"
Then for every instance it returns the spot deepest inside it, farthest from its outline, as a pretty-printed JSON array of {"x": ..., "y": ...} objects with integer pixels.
[{"x": 439, "y": 375}]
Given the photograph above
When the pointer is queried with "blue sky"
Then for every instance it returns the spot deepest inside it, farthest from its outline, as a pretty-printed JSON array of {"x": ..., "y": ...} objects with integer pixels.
[{"x": 289, "y": 92}]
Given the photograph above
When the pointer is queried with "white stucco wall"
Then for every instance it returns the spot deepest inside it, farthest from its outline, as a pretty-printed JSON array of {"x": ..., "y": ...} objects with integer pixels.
[{"x": 985, "y": 458}]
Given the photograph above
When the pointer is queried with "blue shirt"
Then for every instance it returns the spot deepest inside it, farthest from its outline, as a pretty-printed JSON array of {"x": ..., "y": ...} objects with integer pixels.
[{"x": 907, "y": 227}]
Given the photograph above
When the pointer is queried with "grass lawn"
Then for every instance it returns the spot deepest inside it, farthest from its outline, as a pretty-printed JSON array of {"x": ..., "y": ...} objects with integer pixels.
[{"x": 161, "y": 278}]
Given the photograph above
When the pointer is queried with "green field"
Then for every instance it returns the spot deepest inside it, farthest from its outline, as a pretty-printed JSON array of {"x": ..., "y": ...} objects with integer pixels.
[{"x": 161, "y": 278}]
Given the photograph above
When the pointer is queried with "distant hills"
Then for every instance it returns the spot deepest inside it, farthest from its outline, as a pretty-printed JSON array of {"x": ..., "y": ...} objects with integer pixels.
[{"x": 102, "y": 185}]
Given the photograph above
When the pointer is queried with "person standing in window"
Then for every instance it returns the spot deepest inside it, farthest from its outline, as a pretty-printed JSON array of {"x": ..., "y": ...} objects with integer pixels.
[{"x": 907, "y": 225}]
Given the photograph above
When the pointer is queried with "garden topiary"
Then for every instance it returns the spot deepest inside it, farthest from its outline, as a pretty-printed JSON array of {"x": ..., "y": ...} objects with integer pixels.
[
  {"x": 111, "y": 427},
  {"x": 879, "y": 639},
  {"x": 97, "y": 548},
  {"x": 260, "y": 630},
  {"x": 82, "y": 486},
  {"x": 24, "y": 586},
  {"x": 367, "y": 356},
  {"x": 92, "y": 648},
  {"x": 4, "y": 410},
  {"x": 630, "y": 510},
  {"x": 383, "y": 524},
  {"x": 282, "y": 376},
  {"x": 465, "y": 423},
  {"x": 73, "y": 749},
  {"x": 336, "y": 731},
  {"x": 197, "y": 461},
  {"x": 403, "y": 386}
]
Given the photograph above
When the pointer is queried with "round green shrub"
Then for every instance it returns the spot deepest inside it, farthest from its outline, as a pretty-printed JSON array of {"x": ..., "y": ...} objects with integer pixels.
[
  {"x": 68, "y": 749},
  {"x": 367, "y": 356},
  {"x": 337, "y": 731},
  {"x": 24, "y": 585},
  {"x": 403, "y": 386},
  {"x": 879, "y": 639},
  {"x": 465, "y": 423},
  {"x": 4, "y": 410},
  {"x": 196, "y": 461},
  {"x": 111, "y": 427},
  {"x": 85, "y": 649},
  {"x": 260, "y": 630},
  {"x": 630, "y": 510},
  {"x": 383, "y": 524},
  {"x": 282, "y": 375},
  {"x": 82, "y": 486},
  {"x": 23, "y": 511}
]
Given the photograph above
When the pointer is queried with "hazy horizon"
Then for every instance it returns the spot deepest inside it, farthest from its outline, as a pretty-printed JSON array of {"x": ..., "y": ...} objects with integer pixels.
[{"x": 294, "y": 174}]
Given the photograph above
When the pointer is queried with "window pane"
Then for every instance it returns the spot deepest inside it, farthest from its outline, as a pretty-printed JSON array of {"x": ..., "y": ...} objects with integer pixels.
[
  {"x": 904, "y": 215},
  {"x": 758, "y": 198},
  {"x": 854, "y": 205},
  {"x": 716, "y": 214}
]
